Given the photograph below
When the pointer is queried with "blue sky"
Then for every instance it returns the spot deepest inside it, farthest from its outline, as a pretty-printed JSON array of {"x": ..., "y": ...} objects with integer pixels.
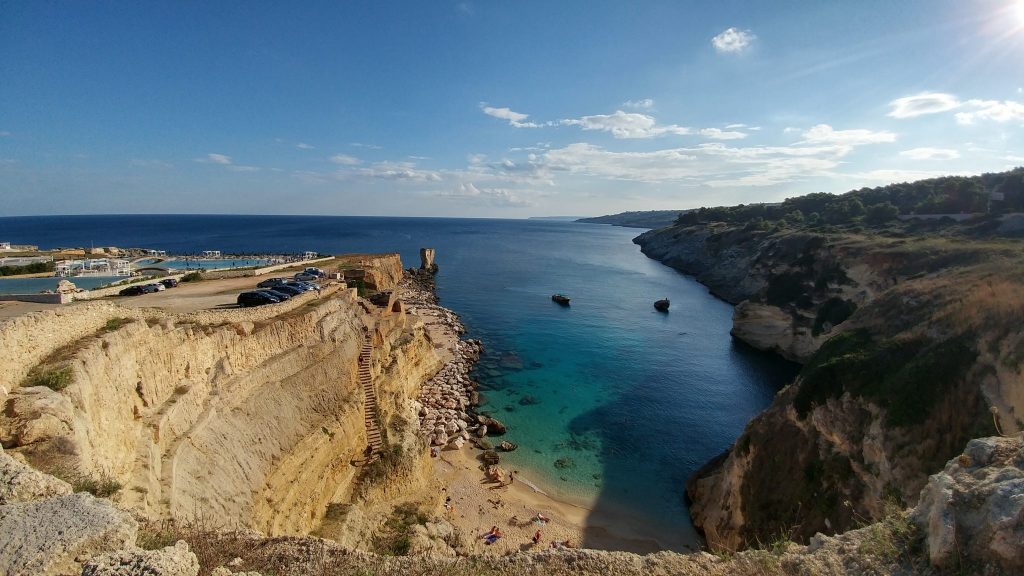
[{"x": 498, "y": 109}]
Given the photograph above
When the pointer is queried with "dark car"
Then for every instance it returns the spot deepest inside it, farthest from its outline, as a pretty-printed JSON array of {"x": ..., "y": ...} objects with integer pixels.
[
  {"x": 271, "y": 282},
  {"x": 255, "y": 299},
  {"x": 304, "y": 286},
  {"x": 169, "y": 282},
  {"x": 289, "y": 290},
  {"x": 281, "y": 296},
  {"x": 132, "y": 291}
]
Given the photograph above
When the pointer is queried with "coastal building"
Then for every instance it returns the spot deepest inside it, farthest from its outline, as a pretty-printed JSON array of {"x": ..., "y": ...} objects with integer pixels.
[
  {"x": 211, "y": 253},
  {"x": 93, "y": 267},
  {"x": 156, "y": 252},
  {"x": 310, "y": 255},
  {"x": 5, "y": 245}
]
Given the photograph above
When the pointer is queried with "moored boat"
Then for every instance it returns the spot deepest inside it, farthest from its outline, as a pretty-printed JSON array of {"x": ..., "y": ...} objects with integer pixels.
[
  {"x": 661, "y": 305},
  {"x": 561, "y": 299}
]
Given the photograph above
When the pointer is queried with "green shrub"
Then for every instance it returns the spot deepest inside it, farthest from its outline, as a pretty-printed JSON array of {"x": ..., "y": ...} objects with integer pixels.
[
  {"x": 192, "y": 277},
  {"x": 115, "y": 323},
  {"x": 785, "y": 288},
  {"x": 835, "y": 311},
  {"x": 101, "y": 488},
  {"x": 55, "y": 379}
]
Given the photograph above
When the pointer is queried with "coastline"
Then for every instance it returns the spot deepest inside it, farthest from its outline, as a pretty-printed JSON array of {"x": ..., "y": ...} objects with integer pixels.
[{"x": 478, "y": 503}]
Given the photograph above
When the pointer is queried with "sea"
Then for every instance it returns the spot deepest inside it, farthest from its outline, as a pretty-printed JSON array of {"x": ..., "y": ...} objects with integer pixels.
[{"x": 612, "y": 403}]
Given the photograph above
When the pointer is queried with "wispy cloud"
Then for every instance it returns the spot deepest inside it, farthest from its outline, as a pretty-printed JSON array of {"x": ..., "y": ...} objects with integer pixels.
[
  {"x": 889, "y": 176},
  {"x": 733, "y": 41},
  {"x": 823, "y": 133},
  {"x": 345, "y": 160},
  {"x": 993, "y": 110},
  {"x": 514, "y": 118},
  {"x": 625, "y": 125},
  {"x": 226, "y": 161},
  {"x": 304, "y": 146},
  {"x": 395, "y": 171},
  {"x": 363, "y": 145},
  {"x": 716, "y": 134},
  {"x": 930, "y": 154},
  {"x": 645, "y": 104},
  {"x": 468, "y": 191},
  {"x": 921, "y": 104}
]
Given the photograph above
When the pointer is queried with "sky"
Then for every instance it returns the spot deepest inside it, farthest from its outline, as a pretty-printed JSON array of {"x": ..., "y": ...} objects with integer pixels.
[{"x": 496, "y": 109}]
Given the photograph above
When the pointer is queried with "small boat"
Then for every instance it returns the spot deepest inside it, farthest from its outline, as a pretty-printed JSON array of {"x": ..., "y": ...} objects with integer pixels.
[
  {"x": 560, "y": 298},
  {"x": 661, "y": 305}
]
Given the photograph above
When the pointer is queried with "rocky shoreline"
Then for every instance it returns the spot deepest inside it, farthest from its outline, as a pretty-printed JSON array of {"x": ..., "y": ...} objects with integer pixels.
[{"x": 446, "y": 403}]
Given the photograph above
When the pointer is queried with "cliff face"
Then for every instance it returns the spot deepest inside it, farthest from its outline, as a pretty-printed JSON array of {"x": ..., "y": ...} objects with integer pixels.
[
  {"x": 906, "y": 345},
  {"x": 248, "y": 417}
]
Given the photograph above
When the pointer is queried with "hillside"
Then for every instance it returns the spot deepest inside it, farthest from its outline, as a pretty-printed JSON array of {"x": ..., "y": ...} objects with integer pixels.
[
  {"x": 909, "y": 333},
  {"x": 642, "y": 219}
]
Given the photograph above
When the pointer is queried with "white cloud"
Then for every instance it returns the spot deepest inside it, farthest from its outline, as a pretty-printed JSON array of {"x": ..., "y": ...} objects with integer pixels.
[
  {"x": 1012, "y": 158},
  {"x": 514, "y": 118},
  {"x": 994, "y": 110},
  {"x": 345, "y": 160},
  {"x": 892, "y": 176},
  {"x": 304, "y": 146},
  {"x": 921, "y": 104},
  {"x": 791, "y": 130},
  {"x": 716, "y": 134},
  {"x": 216, "y": 159},
  {"x": 394, "y": 171},
  {"x": 487, "y": 196},
  {"x": 930, "y": 154},
  {"x": 733, "y": 40},
  {"x": 625, "y": 125},
  {"x": 645, "y": 104},
  {"x": 362, "y": 145},
  {"x": 823, "y": 133}
]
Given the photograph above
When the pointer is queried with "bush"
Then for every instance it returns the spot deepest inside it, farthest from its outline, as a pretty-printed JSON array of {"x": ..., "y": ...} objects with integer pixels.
[
  {"x": 115, "y": 323},
  {"x": 835, "y": 311},
  {"x": 55, "y": 379},
  {"x": 192, "y": 277},
  {"x": 784, "y": 288},
  {"x": 101, "y": 488}
]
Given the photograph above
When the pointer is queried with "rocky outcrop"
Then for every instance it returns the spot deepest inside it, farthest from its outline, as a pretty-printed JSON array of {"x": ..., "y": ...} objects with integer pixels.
[
  {"x": 49, "y": 536},
  {"x": 20, "y": 482},
  {"x": 175, "y": 560},
  {"x": 905, "y": 346},
  {"x": 973, "y": 511}
]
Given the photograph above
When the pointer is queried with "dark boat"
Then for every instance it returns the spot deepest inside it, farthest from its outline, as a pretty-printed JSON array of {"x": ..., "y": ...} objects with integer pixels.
[
  {"x": 661, "y": 305},
  {"x": 560, "y": 298}
]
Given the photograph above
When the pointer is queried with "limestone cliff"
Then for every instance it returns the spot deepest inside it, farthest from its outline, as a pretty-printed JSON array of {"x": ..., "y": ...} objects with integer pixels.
[
  {"x": 906, "y": 344},
  {"x": 243, "y": 417}
]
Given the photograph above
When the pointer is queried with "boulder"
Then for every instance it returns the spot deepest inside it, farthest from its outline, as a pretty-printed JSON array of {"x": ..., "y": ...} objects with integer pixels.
[
  {"x": 490, "y": 457},
  {"x": 974, "y": 510},
  {"x": 175, "y": 560},
  {"x": 507, "y": 446},
  {"x": 46, "y": 536},
  {"x": 495, "y": 428},
  {"x": 22, "y": 483},
  {"x": 33, "y": 415}
]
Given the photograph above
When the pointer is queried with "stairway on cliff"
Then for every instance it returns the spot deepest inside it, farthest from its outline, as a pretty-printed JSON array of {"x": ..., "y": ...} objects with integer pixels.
[{"x": 370, "y": 413}]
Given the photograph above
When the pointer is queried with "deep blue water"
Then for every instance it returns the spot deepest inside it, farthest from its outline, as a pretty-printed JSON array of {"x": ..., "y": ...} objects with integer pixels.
[{"x": 629, "y": 401}]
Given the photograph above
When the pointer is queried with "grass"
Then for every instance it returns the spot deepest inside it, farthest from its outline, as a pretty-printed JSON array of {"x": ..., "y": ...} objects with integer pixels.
[
  {"x": 55, "y": 379},
  {"x": 103, "y": 487},
  {"x": 892, "y": 539},
  {"x": 115, "y": 323},
  {"x": 393, "y": 539}
]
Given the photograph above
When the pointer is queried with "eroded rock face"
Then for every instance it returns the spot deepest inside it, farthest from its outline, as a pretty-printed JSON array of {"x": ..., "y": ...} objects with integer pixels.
[
  {"x": 974, "y": 508},
  {"x": 34, "y": 415},
  {"x": 175, "y": 560},
  {"x": 46, "y": 536},
  {"x": 773, "y": 329},
  {"x": 21, "y": 483}
]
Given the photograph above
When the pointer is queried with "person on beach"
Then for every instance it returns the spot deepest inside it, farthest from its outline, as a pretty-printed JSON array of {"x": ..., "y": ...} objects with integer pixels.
[
  {"x": 536, "y": 538},
  {"x": 542, "y": 518}
]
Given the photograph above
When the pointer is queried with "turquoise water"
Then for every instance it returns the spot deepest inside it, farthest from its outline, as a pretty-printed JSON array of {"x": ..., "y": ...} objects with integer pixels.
[
  {"x": 632, "y": 400},
  {"x": 33, "y": 285}
]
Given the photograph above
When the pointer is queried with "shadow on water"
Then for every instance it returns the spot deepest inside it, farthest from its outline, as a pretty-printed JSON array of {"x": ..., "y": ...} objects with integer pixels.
[{"x": 652, "y": 439}]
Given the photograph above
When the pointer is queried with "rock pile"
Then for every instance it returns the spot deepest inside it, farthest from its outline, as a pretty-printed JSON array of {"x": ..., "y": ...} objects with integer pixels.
[{"x": 446, "y": 399}]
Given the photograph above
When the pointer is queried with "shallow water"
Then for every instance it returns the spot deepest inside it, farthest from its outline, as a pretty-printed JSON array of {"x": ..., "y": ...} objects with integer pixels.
[{"x": 613, "y": 404}]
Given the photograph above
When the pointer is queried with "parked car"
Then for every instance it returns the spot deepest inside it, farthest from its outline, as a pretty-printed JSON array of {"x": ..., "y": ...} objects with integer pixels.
[
  {"x": 314, "y": 271},
  {"x": 289, "y": 290},
  {"x": 304, "y": 286},
  {"x": 159, "y": 286},
  {"x": 169, "y": 282},
  {"x": 271, "y": 282},
  {"x": 150, "y": 288},
  {"x": 255, "y": 299},
  {"x": 279, "y": 295},
  {"x": 132, "y": 291},
  {"x": 303, "y": 277}
]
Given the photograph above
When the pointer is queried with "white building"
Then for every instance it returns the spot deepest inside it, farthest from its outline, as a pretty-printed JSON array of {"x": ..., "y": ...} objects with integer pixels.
[
  {"x": 211, "y": 253},
  {"x": 310, "y": 255},
  {"x": 5, "y": 245}
]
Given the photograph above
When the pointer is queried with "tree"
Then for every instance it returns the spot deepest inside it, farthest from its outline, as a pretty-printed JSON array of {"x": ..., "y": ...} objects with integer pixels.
[{"x": 881, "y": 213}]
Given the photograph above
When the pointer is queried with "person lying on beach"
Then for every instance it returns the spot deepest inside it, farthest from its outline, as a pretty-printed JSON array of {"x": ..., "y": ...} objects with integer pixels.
[
  {"x": 542, "y": 518},
  {"x": 563, "y": 544}
]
